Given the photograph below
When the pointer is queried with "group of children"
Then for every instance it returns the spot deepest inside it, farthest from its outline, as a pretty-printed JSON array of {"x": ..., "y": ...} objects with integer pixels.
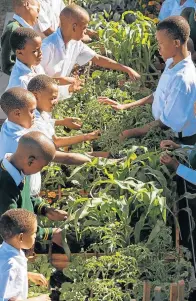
[{"x": 40, "y": 76}]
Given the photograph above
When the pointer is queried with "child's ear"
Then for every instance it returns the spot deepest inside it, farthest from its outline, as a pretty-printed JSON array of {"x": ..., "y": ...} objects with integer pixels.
[
  {"x": 19, "y": 52},
  {"x": 31, "y": 160},
  {"x": 16, "y": 113},
  {"x": 21, "y": 237},
  {"x": 177, "y": 43},
  {"x": 74, "y": 27}
]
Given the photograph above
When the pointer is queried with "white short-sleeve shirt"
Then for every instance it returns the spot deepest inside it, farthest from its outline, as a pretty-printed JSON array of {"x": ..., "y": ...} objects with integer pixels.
[
  {"x": 21, "y": 76},
  {"x": 175, "y": 97},
  {"x": 59, "y": 59},
  {"x": 49, "y": 14},
  {"x": 177, "y": 8},
  {"x": 13, "y": 273},
  {"x": 45, "y": 124},
  {"x": 9, "y": 136}
]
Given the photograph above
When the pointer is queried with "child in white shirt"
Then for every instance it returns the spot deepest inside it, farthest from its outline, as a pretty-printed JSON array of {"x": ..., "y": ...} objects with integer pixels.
[
  {"x": 26, "y": 43},
  {"x": 46, "y": 92},
  {"x": 18, "y": 229},
  {"x": 64, "y": 48},
  {"x": 25, "y": 15},
  {"x": 175, "y": 96}
]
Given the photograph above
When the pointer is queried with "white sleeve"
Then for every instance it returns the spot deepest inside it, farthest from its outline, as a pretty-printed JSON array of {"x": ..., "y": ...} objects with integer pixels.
[
  {"x": 178, "y": 103},
  {"x": 10, "y": 284},
  {"x": 43, "y": 21},
  {"x": 47, "y": 56},
  {"x": 86, "y": 54},
  {"x": 186, "y": 173},
  {"x": 64, "y": 92}
]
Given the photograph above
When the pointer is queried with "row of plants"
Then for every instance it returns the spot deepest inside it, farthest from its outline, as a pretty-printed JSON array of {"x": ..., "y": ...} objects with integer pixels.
[
  {"x": 120, "y": 209},
  {"x": 115, "y": 8}
]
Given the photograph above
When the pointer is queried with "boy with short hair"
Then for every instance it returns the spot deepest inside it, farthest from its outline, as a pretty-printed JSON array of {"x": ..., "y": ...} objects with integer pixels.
[
  {"x": 18, "y": 229},
  {"x": 64, "y": 48},
  {"x": 174, "y": 100},
  {"x": 26, "y": 14},
  {"x": 26, "y": 43},
  {"x": 19, "y": 105},
  {"x": 34, "y": 152},
  {"x": 46, "y": 92}
]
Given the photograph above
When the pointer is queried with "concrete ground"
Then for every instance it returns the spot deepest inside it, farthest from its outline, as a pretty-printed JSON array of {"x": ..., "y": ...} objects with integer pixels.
[{"x": 5, "y": 16}]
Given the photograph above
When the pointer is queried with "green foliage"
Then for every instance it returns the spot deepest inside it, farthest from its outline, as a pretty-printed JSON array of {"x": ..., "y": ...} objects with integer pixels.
[
  {"x": 39, "y": 265},
  {"x": 119, "y": 276}
]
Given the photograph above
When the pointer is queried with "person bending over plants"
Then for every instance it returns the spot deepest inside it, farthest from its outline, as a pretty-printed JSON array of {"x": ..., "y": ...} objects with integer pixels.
[{"x": 175, "y": 96}]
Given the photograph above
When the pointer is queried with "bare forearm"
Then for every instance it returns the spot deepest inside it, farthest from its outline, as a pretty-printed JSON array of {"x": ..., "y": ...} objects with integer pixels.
[
  {"x": 108, "y": 63},
  {"x": 148, "y": 99},
  {"x": 59, "y": 122},
  {"x": 62, "y": 81},
  {"x": 66, "y": 141},
  {"x": 141, "y": 131},
  {"x": 48, "y": 31},
  {"x": 70, "y": 158}
]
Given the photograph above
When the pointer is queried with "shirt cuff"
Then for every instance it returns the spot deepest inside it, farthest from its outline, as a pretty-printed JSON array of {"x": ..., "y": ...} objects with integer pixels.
[{"x": 64, "y": 92}]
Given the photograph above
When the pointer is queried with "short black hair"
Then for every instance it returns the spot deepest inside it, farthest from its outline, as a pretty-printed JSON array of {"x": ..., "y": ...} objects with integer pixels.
[
  {"x": 16, "y": 221},
  {"x": 37, "y": 145},
  {"x": 20, "y": 36},
  {"x": 177, "y": 27},
  {"x": 40, "y": 83},
  {"x": 16, "y": 98}
]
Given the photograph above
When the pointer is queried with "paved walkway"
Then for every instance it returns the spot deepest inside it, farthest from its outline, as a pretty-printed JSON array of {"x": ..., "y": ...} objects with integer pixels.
[{"x": 5, "y": 15}]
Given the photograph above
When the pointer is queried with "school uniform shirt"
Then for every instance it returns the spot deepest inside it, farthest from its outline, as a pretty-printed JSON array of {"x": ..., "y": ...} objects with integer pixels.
[
  {"x": 177, "y": 8},
  {"x": 186, "y": 173},
  {"x": 22, "y": 74},
  {"x": 45, "y": 124},
  {"x": 49, "y": 14},
  {"x": 9, "y": 137},
  {"x": 59, "y": 59},
  {"x": 175, "y": 97},
  {"x": 166, "y": 9},
  {"x": 15, "y": 193},
  {"x": 8, "y": 57},
  {"x": 13, "y": 273}
]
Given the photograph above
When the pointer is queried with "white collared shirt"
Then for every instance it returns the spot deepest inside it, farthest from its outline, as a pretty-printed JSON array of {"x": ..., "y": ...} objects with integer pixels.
[
  {"x": 21, "y": 76},
  {"x": 49, "y": 14},
  {"x": 17, "y": 176},
  {"x": 21, "y": 21},
  {"x": 45, "y": 124},
  {"x": 59, "y": 59},
  {"x": 177, "y": 8},
  {"x": 9, "y": 137},
  {"x": 175, "y": 97},
  {"x": 13, "y": 273}
]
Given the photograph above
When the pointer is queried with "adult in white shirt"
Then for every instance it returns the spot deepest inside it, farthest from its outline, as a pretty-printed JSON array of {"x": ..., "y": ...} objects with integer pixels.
[
  {"x": 25, "y": 15},
  {"x": 175, "y": 97},
  {"x": 64, "y": 48},
  {"x": 18, "y": 229}
]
